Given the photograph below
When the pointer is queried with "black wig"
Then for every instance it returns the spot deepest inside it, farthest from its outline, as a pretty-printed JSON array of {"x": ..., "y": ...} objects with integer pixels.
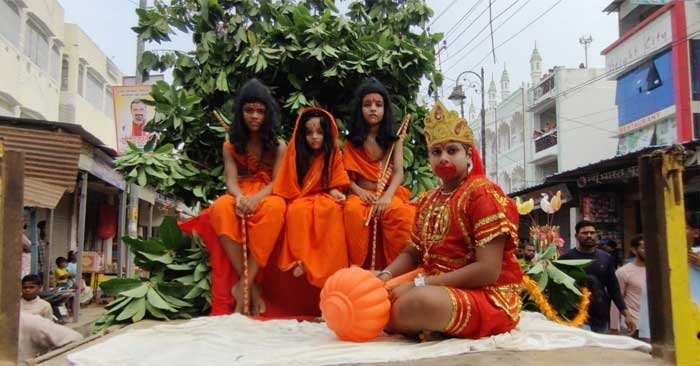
[
  {"x": 358, "y": 127},
  {"x": 304, "y": 154},
  {"x": 253, "y": 91}
]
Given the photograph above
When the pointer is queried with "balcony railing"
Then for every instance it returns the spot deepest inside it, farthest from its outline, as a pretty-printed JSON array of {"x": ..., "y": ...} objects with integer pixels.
[{"x": 545, "y": 140}]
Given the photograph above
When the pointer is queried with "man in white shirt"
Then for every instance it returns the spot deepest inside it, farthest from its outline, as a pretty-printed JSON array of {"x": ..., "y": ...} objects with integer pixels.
[
  {"x": 38, "y": 333},
  {"x": 31, "y": 302}
]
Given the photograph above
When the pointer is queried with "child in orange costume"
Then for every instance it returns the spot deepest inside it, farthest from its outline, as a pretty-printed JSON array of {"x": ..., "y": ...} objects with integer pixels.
[
  {"x": 251, "y": 159},
  {"x": 364, "y": 156},
  {"x": 311, "y": 179}
]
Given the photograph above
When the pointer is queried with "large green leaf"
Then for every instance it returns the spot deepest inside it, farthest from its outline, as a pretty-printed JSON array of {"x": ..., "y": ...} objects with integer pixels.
[
  {"x": 137, "y": 291},
  {"x": 560, "y": 277},
  {"x": 157, "y": 301},
  {"x": 155, "y": 312},
  {"x": 574, "y": 262},
  {"x": 176, "y": 303},
  {"x": 116, "y": 285},
  {"x": 170, "y": 233},
  {"x": 173, "y": 289},
  {"x": 165, "y": 258},
  {"x": 145, "y": 246},
  {"x": 124, "y": 302},
  {"x": 137, "y": 305}
]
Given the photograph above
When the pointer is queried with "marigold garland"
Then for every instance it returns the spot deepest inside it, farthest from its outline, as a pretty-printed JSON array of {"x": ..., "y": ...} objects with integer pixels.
[{"x": 545, "y": 307}]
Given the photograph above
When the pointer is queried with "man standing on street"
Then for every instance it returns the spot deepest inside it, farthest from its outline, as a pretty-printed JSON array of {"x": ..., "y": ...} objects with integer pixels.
[
  {"x": 632, "y": 277},
  {"x": 600, "y": 279}
]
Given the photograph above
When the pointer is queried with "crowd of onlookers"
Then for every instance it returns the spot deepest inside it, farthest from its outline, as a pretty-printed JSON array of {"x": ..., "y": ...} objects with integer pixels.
[{"x": 619, "y": 303}]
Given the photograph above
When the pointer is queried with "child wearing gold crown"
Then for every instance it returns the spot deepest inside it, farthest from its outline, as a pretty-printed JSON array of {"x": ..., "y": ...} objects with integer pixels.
[{"x": 464, "y": 237}]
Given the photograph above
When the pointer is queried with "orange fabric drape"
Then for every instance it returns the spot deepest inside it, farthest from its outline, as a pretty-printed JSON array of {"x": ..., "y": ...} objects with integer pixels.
[
  {"x": 314, "y": 233},
  {"x": 396, "y": 222},
  {"x": 265, "y": 225}
]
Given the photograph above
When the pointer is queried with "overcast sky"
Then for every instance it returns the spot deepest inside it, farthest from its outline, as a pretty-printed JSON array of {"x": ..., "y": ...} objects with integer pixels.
[{"x": 556, "y": 33}]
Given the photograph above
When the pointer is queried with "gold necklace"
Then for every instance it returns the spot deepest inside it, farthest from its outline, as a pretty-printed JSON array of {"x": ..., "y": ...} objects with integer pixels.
[{"x": 436, "y": 222}]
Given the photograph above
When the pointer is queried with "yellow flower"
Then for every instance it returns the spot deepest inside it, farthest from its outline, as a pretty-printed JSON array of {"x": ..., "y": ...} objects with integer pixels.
[
  {"x": 556, "y": 202},
  {"x": 524, "y": 208}
]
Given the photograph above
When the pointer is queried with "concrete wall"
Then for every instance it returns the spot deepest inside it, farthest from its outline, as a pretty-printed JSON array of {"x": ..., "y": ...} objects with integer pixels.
[
  {"x": 97, "y": 119},
  {"x": 27, "y": 90},
  {"x": 587, "y": 119}
]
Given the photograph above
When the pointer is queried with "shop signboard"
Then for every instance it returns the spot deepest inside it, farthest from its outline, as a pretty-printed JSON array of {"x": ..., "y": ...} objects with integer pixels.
[{"x": 651, "y": 38}]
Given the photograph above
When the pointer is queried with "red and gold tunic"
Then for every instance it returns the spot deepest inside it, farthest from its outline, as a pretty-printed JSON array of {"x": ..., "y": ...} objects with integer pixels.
[{"x": 448, "y": 229}]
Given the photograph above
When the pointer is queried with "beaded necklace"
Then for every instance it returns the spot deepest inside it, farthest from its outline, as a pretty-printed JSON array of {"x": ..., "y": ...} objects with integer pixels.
[{"x": 437, "y": 221}]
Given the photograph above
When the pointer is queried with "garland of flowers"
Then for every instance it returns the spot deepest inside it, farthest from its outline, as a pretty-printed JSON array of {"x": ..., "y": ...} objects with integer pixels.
[{"x": 546, "y": 308}]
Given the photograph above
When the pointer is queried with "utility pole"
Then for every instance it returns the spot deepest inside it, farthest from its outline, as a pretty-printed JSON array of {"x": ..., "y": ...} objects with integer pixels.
[
  {"x": 585, "y": 41},
  {"x": 439, "y": 51},
  {"x": 133, "y": 208}
]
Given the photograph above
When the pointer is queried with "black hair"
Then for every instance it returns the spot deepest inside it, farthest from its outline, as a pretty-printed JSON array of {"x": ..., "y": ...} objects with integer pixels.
[
  {"x": 304, "y": 154},
  {"x": 692, "y": 219},
  {"x": 72, "y": 255},
  {"x": 254, "y": 91},
  {"x": 636, "y": 241},
  {"x": 136, "y": 101},
  {"x": 582, "y": 224},
  {"x": 358, "y": 127},
  {"x": 32, "y": 278},
  {"x": 61, "y": 259}
]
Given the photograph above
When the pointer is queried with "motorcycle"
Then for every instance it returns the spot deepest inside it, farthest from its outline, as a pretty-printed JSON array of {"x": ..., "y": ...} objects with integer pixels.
[{"x": 58, "y": 297}]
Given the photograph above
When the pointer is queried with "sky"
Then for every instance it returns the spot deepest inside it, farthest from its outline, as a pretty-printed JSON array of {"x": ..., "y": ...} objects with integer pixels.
[{"x": 554, "y": 25}]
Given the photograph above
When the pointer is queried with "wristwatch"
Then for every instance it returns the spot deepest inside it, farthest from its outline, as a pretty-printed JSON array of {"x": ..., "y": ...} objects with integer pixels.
[{"x": 419, "y": 281}]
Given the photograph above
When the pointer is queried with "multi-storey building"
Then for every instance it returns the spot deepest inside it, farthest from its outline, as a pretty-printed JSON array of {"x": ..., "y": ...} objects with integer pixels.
[
  {"x": 53, "y": 70},
  {"x": 656, "y": 65}
]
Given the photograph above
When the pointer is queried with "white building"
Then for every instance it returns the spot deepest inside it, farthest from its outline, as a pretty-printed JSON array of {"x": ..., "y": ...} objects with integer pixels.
[
  {"x": 549, "y": 126},
  {"x": 31, "y": 45},
  {"x": 52, "y": 70}
]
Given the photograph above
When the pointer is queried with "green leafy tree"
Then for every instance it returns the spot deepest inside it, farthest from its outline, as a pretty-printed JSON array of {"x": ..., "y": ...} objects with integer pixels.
[{"x": 306, "y": 51}]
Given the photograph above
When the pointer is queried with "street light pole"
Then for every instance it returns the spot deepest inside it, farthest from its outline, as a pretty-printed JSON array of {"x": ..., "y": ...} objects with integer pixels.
[
  {"x": 458, "y": 94},
  {"x": 483, "y": 120}
]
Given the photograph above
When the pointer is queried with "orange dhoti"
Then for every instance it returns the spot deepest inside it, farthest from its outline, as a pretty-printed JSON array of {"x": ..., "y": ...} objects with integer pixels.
[
  {"x": 314, "y": 235},
  {"x": 395, "y": 223},
  {"x": 263, "y": 227}
]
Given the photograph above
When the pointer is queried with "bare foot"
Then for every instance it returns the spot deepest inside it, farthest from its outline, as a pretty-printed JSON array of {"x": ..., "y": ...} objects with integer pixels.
[
  {"x": 299, "y": 270},
  {"x": 257, "y": 303},
  {"x": 237, "y": 292}
]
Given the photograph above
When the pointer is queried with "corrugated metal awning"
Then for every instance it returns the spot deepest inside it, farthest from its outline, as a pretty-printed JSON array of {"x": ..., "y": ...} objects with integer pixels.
[
  {"x": 49, "y": 156},
  {"x": 41, "y": 194}
]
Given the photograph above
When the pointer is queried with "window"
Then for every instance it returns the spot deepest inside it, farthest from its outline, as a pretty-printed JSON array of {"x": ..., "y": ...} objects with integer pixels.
[
  {"x": 36, "y": 46},
  {"x": 94, "y": 91},
  {"x": 64, "y": 74},
  {"x": 9, "y": 27},
  {"x": 653, "y": 80},
  {"x": 109, "y": 103},
  {"x": 55, "y": 63},
  {"x": 81, "y": 79}
]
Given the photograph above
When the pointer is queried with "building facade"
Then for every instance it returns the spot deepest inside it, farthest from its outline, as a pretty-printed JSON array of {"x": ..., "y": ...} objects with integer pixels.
[
  {"x": 53, "y": 71},
  {"x": 656, "y": 66},
  {"x": 547, "y": 126}
]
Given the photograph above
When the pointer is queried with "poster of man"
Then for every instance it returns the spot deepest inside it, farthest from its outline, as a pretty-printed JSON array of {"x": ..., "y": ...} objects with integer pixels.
[{"x": 131, "y": 114}]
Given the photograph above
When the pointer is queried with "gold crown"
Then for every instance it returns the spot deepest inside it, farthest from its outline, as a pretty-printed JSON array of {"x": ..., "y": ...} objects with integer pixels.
[{"x": 443, "y": 125}]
